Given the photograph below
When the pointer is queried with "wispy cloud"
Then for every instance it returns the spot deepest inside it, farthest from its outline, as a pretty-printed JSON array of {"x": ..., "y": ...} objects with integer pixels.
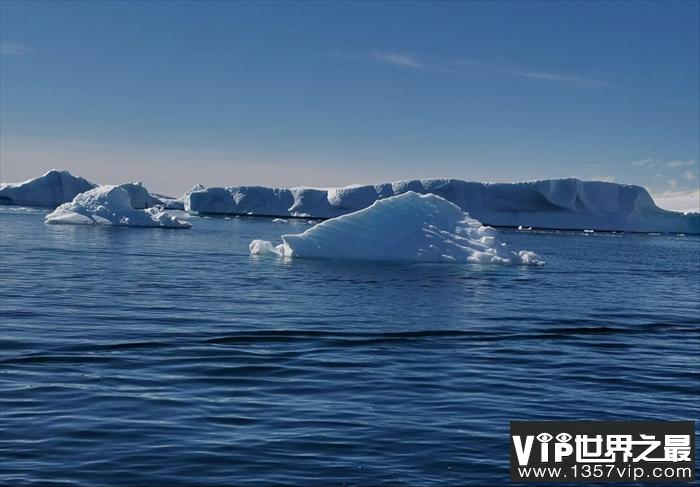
[
  {"x": 560, "y": 78},
  {"x": 672, "y": 182},
  {"x": 689, "y": 175},
  {"x": 470, "y": 66},
  {"x": 14, "y": 49},
  {"x": 680, "y": 163},
  {"x": 401, "y": 60},
  {"x": 499, "y": 69},
  {"x": 646, "y": 162},
  {"x": 660, "y": 162}
]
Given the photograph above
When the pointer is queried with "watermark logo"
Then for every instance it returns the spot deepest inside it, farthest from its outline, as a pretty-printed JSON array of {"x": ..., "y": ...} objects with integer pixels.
[{"x": 602, "y": 451}]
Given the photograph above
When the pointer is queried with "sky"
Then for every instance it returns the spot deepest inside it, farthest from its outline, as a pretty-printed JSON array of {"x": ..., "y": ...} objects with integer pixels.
[{"x": 336, "y": 93}]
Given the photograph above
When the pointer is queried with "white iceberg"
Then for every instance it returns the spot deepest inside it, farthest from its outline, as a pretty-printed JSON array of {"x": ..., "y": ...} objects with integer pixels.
[
  {"x": 405, "y": 228},
  {"x": 57, "y": 187},
  {"x": 52, "y": 189},
  {"x": 563, "y": 204},
  {"x": 140, "y": 197},
  {"x": 179, "y": 203},
  {"x": 110, "y": 205}
]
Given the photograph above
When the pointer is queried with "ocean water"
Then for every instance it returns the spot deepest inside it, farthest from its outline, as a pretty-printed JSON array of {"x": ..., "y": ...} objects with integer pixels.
[{"x": 173, "y": 357}]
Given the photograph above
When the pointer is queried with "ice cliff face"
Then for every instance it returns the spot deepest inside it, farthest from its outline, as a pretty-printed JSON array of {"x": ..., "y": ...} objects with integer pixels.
[
  {"x": 140, "y": 197},
  {"x": 52, "y": 189},
  {"x": 178, "y": 203},
  {"x": 551, "y": 203},
  {"x": 405, "y": 228}
]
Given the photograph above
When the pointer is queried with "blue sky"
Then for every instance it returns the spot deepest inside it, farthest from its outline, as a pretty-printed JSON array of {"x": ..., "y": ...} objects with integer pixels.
[{"x": 330, "y": 93}]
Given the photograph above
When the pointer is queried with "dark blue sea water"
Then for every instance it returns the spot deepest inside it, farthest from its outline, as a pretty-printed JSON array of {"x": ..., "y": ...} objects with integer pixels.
[{"x": 166, "y": 357}]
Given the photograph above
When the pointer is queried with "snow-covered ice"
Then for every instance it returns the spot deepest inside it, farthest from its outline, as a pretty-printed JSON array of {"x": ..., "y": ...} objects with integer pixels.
[
  {"x": 57, "y": 187},
  {"x": 405, "y": 228},
  {"x": 140, "y": 197},
  {"x": 179, "y": 203},
  {"x": 52, "y": 189},
  {"x": 110, "y": 205},
  {"x": 567, "y": 204}
]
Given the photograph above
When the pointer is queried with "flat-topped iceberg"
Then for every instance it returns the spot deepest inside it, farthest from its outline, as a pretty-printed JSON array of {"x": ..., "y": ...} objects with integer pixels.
[
  {"x": 405, "y": 228},
  {"x": 566, "y": 204},
  {"x": 111, "y": 205},
  {"x": 52, "y": 189}
]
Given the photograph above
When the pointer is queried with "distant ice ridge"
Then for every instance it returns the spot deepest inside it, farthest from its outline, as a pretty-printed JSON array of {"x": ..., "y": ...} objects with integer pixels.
[
  {"x": 57, "y": 187},
  {"x": 52, "y": 189},
  {"x": 111, "y": 205},
  {"x": 178, "y": 203},
  {"x": 405, "y": 228},
  {"x": 566, "y": 204}
]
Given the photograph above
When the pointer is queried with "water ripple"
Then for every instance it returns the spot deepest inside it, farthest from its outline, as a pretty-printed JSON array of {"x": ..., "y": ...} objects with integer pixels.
[{"x": 173, "y": 358}]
